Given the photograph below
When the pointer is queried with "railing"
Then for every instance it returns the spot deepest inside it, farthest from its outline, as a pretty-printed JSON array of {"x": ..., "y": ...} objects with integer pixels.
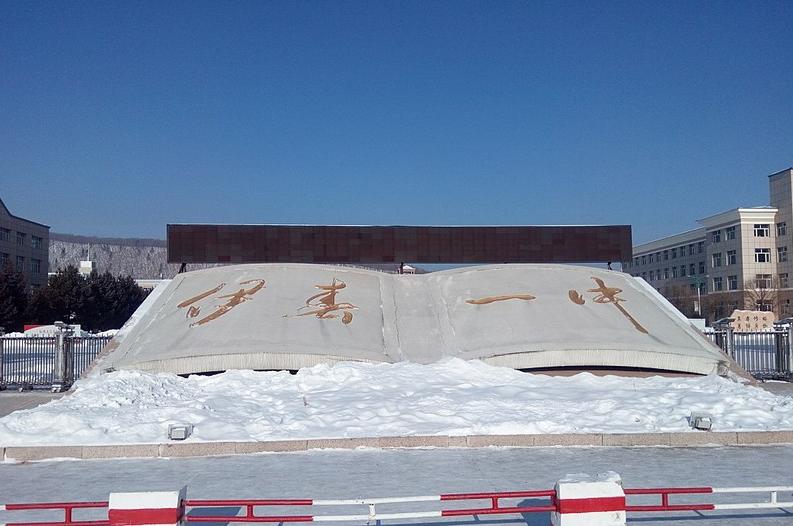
[
  {"x": 370, "y": 505},
  {"x": 773, "y": 501},
  {"x": 199, "y": 511},
  {"x": 30, "y": 362},
  {"x": 764, "y": 354}
]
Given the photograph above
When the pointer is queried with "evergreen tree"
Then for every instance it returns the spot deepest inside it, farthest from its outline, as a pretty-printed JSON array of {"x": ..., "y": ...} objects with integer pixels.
[
  {"x": 63, "y": 299},
  {"x": 98, "y": 302},
  {"x": 13, "y": 298}
]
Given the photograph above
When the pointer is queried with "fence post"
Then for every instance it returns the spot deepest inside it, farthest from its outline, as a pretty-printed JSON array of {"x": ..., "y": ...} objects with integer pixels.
[
  {"x": 583, "y": 500},
  {"x": 789, "y": 349},
  {"x": 2, "y": 372},
  {"x": 63, "y": 370},
  {"x": 161, "y": 508}
]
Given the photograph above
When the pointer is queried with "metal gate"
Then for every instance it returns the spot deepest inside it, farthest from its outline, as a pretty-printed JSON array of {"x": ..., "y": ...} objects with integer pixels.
[
  {"x": 30, "y": 362},
  {"x": 764, "y": 354}
]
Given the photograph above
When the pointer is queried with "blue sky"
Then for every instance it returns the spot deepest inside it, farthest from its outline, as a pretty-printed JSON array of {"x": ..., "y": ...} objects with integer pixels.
[{"x": 117, "y": 118}]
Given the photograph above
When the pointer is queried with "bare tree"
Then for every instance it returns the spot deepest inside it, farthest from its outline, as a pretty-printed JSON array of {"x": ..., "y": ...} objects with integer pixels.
[{"x": 763, "y": 294}]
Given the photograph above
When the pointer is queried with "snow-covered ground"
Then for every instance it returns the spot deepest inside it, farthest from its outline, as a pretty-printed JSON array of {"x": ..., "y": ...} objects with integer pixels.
[{"x": 451, "y": 397}]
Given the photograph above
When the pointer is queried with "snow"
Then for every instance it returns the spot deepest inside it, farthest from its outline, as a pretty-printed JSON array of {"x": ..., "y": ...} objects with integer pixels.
[{"x": 351, "y": 399}]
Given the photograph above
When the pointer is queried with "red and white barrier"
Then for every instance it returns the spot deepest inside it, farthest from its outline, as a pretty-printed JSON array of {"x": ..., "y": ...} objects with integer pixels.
[
  {"x": 577, "y": 500},
  {"x": 583, "y": 500},
  {"x": 495, "y": 499},
  {"x": 153, "y": 508}
]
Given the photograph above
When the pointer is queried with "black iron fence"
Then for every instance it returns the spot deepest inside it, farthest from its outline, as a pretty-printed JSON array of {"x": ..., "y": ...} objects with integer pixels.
[
  {"x": 764, "y": 354},
  {"x": 33, "y": 362}
]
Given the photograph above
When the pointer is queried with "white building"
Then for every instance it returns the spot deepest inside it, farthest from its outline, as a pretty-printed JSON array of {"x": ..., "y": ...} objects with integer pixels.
[{"x": 737, "y": 259}]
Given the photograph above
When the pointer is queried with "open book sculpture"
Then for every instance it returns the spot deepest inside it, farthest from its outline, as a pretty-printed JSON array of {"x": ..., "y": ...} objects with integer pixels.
[{"x": 288, "y": 316}]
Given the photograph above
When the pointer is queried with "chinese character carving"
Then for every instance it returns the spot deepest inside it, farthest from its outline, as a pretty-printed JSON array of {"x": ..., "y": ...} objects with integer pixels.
[
  {"x": 610, "y": 295},
  {"x": 324, "y": 306},
  {"x": 576, "y": 297},
  {"x": 492, "y": 299},
  {"x": 234, "y": 299}
]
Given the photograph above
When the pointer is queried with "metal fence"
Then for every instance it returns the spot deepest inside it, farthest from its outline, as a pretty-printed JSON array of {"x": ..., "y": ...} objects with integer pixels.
[
  {"x": 31, "y": 362},
  {"x": 765, "y": 354}
]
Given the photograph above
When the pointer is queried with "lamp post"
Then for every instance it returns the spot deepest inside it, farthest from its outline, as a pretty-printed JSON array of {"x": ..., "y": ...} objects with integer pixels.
[{"x": 698, "y": 282}]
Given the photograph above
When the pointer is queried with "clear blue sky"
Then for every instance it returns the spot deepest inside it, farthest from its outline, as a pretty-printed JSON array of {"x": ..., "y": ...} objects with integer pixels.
[{"x": 117, "y": 118}]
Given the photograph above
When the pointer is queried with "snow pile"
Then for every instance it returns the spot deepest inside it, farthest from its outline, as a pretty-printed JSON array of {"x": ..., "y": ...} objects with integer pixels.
[{"x": 451, "y": 397}]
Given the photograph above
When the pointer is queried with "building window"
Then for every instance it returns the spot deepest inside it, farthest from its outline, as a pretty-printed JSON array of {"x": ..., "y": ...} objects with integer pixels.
[
  {"x": 729, "y": 233},
  {"x": 36, "y": 242},
  {"x": 674, "y": 253},
  {"x": 783, "y": 281},
  {"x": 652, "y": 275},
  {"x": 701, "y": 267},
  {"x": 21, "y": 239},
  {"x": 5, "y": 234},
  {"x": 762, "y": 281},
  {"x": 20, "y": 263},
  {"x": 732, "y": 282},
  {"x": 666, "y": 273},
  {"x": 732, "y": 257},
  {"x": 691, "y": 249},
  {"x": 765, "y": 306},
  {"x": 691, "y": 269},
  {"x": 644, "y": 260},
  {"x": 650, "y": 258},
  {"x": 35, "y": 266},
  {"x": 4, "y": 258},
  {"x": 666, "y": 255},
  {"x": 717, "y": 283},
  {"x": 762, "y": 255},
  {"x": 674, "y": 272},
  {"x": 763, "y": 230},
  {"x": 716, "y": 259},
  {"x": 715, "y": 236},
  {"x": 682, "y": 271},
  {"x": 781, "y": 229},
  {"x": 781, "y": 254},
  {"x": 700, "y": 247}
]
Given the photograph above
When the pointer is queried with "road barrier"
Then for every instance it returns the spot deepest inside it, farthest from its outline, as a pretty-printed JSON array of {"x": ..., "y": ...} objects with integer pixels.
[{"x": 575, "y": 500}]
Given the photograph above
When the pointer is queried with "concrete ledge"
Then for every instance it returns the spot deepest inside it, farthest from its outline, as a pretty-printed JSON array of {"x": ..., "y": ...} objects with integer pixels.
[
  {"x": 413, "y": 441},
  {"x": 275, "y": 446},
  {"x": 568, "y": 440},
  {"x": 703, "y": 439},
  {"x": 765, "y": 437},
  {"x": 198, "y": 449},
  {"x": 201, "y": 449},
  {"x": 340, "y": 443},
  {"x": 122, "y": 450},
  {"x": 23, "y": 454},
  {"x": 500, "y": 440},
  {"x": 639, "y": 439}
]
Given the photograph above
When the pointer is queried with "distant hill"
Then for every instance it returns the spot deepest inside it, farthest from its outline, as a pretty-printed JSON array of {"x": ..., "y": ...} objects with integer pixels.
[{"x": 139, "y": 258}]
